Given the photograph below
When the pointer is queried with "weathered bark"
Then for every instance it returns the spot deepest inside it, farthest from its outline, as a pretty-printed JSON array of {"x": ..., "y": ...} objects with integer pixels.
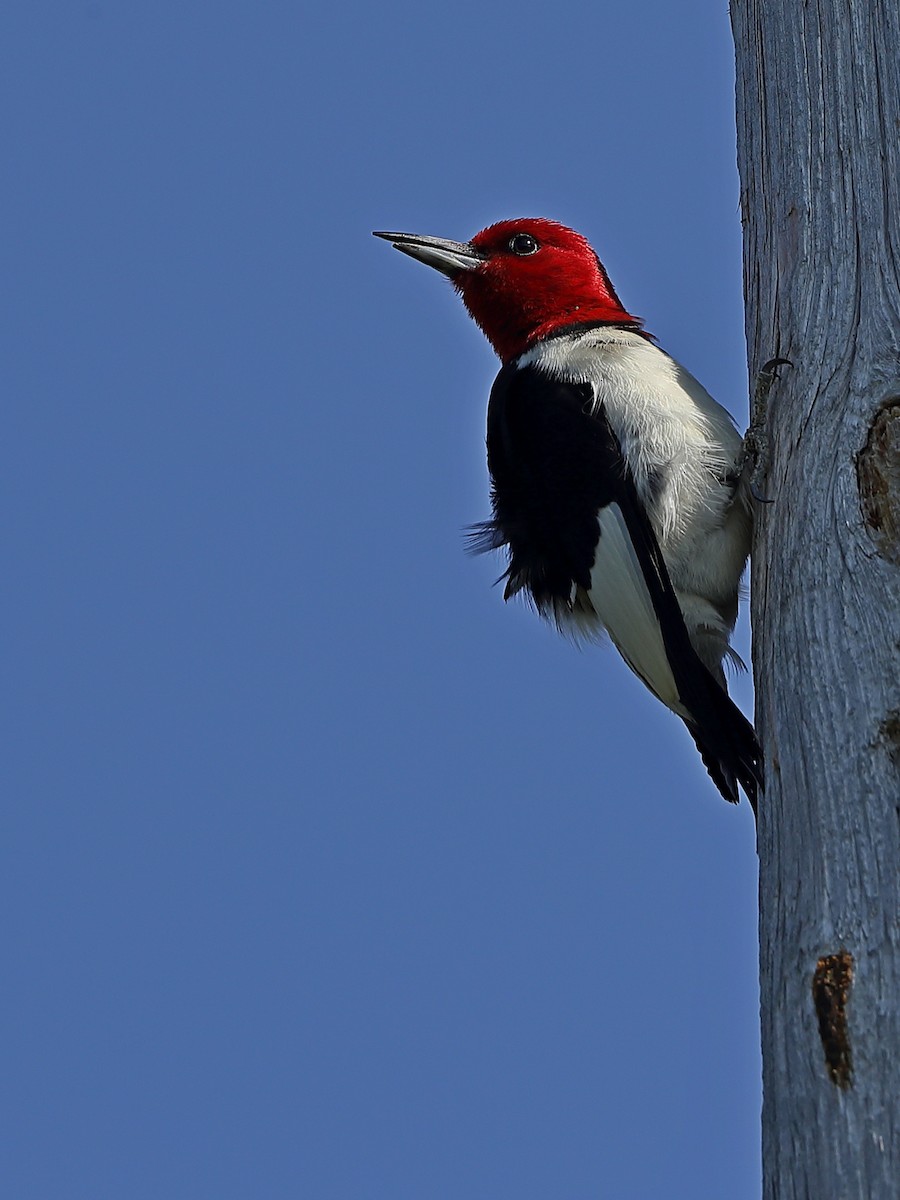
[{"x": 818, "y": 110}]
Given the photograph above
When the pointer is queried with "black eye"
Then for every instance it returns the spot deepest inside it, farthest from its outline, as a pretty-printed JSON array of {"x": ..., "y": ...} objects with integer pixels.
[{"x": 523, "y": 244}]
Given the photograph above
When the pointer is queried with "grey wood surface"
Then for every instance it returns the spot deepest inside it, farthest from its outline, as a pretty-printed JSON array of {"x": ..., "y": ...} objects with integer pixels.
[{"x": 818, "y": 117}]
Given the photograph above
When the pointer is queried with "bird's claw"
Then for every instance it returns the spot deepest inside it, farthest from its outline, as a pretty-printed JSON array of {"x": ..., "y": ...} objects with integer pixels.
[
  {"x": 771, "y": 367},
  {"x": 757, "y": 494},
  {"x": 755, "y": 452}
]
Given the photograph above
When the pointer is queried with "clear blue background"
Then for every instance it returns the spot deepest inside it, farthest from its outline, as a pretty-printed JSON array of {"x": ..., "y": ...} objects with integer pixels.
[{"x": 326, "y": 874}]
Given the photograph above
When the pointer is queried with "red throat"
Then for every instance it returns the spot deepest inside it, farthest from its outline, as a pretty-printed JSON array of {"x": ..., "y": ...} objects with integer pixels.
[{"x": 520, "y": 299}]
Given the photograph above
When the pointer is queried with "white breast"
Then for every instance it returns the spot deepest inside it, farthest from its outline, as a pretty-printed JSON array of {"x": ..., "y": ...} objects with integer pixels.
[{"x": 682, "y": 448}]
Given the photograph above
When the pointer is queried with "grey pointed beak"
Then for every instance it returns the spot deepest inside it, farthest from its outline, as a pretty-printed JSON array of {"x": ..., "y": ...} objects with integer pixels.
[{"x": 450, "y": 258}]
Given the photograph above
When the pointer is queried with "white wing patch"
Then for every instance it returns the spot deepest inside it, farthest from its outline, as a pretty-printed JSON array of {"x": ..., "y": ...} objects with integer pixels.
[{"x": 621, "y": 600}]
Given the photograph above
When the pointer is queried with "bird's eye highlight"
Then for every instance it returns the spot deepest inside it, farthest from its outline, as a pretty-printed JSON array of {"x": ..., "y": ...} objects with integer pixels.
[{"x": 523, "y": 244}]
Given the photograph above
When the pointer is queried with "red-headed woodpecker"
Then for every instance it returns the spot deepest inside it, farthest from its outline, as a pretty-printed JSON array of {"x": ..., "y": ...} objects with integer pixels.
[{"x": 617, "y": 484}]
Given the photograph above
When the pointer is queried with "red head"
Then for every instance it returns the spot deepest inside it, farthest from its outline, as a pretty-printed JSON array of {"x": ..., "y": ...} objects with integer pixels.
[{"x": 523, "y": 280}]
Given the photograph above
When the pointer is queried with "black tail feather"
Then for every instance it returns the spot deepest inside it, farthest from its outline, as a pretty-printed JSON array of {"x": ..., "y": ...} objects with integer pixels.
[{"x": 728, "y": 746}]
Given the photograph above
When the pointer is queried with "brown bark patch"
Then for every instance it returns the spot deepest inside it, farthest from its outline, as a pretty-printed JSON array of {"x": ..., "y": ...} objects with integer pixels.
[
  {"x": 889, "y": 735},
  {"x": 878, "y": 475},
  {"x": 831, "y": 989}
]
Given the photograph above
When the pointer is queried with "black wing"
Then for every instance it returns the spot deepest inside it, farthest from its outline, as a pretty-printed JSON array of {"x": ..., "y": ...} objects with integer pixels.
[{"x": 566, "y": 507}]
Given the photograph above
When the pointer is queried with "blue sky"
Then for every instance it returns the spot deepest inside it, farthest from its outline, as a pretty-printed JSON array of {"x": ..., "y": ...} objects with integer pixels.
[{"x": 326, "y": 874}]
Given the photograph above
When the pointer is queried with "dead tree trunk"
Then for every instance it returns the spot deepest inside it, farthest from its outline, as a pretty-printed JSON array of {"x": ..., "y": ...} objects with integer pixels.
[{"x": 818, "y": 115}]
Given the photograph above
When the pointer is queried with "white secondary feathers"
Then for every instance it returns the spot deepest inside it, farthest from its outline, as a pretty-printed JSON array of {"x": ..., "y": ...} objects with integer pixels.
[{"x": 622, "y": 602}]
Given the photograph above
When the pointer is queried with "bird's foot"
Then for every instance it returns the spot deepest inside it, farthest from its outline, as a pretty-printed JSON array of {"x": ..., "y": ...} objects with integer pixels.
[{"x": 755, "y": 451}]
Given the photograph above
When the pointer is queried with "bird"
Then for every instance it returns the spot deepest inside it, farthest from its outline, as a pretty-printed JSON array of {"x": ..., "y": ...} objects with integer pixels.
[{"x": 618, "y": 484}]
